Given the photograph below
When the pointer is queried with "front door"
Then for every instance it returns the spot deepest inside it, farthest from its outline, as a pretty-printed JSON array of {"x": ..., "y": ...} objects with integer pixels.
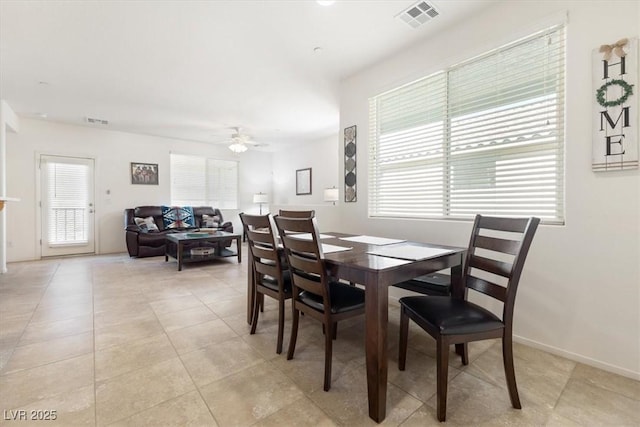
[{"x": 67, "y": 205}]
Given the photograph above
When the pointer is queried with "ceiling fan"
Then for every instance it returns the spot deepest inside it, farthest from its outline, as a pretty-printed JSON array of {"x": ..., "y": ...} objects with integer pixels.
[{"x": 239, "y": 141}]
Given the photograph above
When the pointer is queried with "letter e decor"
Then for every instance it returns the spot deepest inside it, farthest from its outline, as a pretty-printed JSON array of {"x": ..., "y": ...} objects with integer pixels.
[{"x": 615, "y": 106}]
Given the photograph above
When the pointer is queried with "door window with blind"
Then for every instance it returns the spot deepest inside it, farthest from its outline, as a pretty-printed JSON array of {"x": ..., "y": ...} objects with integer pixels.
[
  {"x": 482, "y": 137},
  {"x": 200, "y": 181},
  {"x": 67, "y": 205}
]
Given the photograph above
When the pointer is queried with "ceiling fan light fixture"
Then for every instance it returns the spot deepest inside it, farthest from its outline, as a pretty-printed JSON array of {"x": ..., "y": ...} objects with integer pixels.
[{"x": 238, "y": 147}]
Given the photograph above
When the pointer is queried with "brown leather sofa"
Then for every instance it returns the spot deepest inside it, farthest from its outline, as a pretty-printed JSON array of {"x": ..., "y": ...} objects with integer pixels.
[{"x": 142, "y": 243}]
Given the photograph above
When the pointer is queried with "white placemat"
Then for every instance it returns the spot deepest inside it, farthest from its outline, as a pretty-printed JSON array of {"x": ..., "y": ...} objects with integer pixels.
[
  {"x": 307, "y": 236},
  {"x": 327, "y": 249},
  {"x": 409, "y": 252},
  {"x": 372, "y": 240}
]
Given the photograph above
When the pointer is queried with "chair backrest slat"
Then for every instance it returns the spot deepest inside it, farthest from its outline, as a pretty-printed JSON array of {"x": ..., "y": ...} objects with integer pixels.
[
  {"x": 491, "y": 265},
  {"x": 267, "y": 269},
  {"x": 308, "y": 265},
  {"x": 260, "y": 236},
  {"x": 513, "y": 225},
  {"x": 261, "y": 251},
  {"x": 510, "y": 247},
  {"x": 297, "y": 214},
  {"x": 487, "y": 288}
]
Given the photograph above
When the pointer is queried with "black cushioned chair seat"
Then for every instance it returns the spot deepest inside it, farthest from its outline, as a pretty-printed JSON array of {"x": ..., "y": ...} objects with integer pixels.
[
  {"x": 451, "y": 316},
  {"x": 429, "y": 284},
  {"x": 272, "y": 283},
  {"x": 343, "y": 298}
]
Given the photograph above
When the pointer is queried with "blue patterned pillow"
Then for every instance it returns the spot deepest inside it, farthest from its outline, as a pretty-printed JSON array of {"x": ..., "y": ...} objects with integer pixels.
[{"x": 178, "y": 217}]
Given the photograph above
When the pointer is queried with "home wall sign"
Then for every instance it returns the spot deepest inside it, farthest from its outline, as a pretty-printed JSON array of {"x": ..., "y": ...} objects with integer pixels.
[
  {"x": 350, "y": 190},
  {"x": 615, "y": 106}
]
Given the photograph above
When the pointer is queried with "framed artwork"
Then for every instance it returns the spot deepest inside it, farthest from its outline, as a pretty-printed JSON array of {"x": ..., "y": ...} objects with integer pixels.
[
  {"x": 303, "y": 182},
  {"x": 144, "y": 173},
  {"x": 350, "y": 190}
]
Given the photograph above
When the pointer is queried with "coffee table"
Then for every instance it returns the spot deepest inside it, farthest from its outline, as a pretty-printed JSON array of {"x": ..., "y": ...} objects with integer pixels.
[{"x": 176, "y": 242}]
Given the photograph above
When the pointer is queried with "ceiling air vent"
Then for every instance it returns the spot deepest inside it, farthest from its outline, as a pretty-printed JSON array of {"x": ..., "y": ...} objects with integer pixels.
[
  {"x": 418, "y": 14},
  {"x": 95, "y": 121}
]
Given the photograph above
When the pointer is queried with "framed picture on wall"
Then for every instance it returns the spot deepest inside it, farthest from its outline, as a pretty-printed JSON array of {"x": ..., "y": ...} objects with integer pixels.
[
  {"x": 303, "y": 182},
  {"x": 144, "y": 173}
]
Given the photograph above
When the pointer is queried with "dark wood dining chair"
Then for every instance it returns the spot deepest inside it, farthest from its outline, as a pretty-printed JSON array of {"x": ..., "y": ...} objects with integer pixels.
[
  {"x": 495, "y": 258},
  {"x": 270, "y": 276},
  {"x": 315, "y": 294},
  {"x": 297, "y": 214}
]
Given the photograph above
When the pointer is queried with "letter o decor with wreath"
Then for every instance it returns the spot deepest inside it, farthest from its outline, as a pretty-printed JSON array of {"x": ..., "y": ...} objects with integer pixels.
[{"x": 600, "y": 93}]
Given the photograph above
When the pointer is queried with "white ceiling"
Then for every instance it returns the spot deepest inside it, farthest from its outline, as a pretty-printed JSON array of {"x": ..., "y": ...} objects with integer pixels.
[{"x": 192, "y": 69}]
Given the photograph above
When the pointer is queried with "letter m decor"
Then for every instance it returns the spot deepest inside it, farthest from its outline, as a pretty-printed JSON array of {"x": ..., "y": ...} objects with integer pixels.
[{"x": 615, "y": 106}]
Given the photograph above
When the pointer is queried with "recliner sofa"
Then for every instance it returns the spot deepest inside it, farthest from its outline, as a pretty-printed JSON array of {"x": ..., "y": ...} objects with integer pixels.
[{"x": 143, "y": 243}]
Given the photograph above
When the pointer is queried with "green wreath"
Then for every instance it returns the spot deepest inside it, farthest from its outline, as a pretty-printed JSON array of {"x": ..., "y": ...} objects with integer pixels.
[{"x": 600, "y": 93}]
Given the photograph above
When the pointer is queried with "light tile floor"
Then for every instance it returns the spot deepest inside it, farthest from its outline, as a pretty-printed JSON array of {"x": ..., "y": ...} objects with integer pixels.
[{"x": 109, "y": 340}]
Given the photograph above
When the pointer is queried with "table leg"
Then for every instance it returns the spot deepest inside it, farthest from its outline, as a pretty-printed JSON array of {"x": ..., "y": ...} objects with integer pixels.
[
  {"x": 239, "y": 247},
  {"x": 180, "y": 249},
  {"x": 457, "y": 291},
  {"x": 251, "y": 291},
  {"x": 376, "y": 317}
]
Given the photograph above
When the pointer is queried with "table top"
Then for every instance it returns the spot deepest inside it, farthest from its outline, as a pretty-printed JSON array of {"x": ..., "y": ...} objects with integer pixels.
[
  {"x": 201, "y": 235},
  {"x": 358, "y": 261}
]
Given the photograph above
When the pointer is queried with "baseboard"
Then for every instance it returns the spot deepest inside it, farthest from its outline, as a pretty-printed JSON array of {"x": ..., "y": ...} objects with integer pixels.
[{"x": 578, "y": 358}]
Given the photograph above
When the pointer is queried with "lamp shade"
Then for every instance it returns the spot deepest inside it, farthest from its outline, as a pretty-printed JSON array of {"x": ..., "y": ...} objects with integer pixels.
[
  {"x": 331, "y": 194},
  {"x": 260, "y": 198}
]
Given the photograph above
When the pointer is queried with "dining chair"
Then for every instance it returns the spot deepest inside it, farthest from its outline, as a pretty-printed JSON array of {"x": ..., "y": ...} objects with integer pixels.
[
  {"x": 270, "y": 276},
  {"x": 315, "y": 294},
  {"x": 497, "y": 250},
  {"x": 297, "y": 214}
]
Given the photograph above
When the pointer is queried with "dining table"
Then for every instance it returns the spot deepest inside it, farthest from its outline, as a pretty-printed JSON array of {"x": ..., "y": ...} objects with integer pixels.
[{"x": 377, "y": 263}]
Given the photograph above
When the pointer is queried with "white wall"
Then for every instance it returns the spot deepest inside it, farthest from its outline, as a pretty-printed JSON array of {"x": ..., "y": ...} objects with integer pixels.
[
  {"x": 113, "y": 151},
  {"x": 580, "y": 291},
  {"x": 321, "y": 156}
]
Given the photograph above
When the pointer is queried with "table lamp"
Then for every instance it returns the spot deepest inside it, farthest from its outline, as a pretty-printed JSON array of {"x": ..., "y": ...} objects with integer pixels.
[
  {"x": 260, "y": 198},
  {"x": 331, "y": 195}
]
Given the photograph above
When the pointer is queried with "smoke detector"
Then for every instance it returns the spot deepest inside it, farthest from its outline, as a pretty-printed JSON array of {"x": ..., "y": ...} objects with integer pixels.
[
  {"x": 94, "y": 121},
  {"x": 418, "y": 14}
]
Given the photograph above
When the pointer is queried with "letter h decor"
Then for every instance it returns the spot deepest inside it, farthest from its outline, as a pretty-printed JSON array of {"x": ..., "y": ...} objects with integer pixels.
[{"x": 615, "y": 101}]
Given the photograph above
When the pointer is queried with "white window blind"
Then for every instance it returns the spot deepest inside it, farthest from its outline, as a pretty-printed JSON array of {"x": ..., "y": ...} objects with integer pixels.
[
  {"x": 67, "y": 201},
  {"x": 484, "y": 136},
  {"x": 200, "y": 181}
]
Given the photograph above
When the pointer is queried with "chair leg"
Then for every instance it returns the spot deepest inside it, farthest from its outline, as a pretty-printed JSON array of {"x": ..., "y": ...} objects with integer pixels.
[
  {"x": 280, "y": 326},
  {"x": 254, "y": 316},
  {"x": 261, "y": 303},
  {"x": 404, "y": 335},
  {"x": 442, "y": 377},
  {"x": 328, "y": 355},
  {"x": 294, "y": 332},
  {"x": 509, "y": 371},
  {"x": 463, "y": 351}
]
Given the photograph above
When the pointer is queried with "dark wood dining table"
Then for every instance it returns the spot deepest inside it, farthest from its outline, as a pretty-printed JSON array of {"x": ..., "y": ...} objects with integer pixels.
[{"x": 376, "y": 273}]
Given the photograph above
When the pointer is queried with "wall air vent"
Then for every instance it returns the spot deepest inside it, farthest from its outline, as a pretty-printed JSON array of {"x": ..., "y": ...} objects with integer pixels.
[
  {"x": 95, "y": 121},
  {"x": 418, "y": 14}
]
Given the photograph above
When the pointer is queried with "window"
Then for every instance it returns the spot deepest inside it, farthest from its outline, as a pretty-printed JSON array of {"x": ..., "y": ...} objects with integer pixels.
[
  {"x": 199, "y": 181},
  {"x": 484, "y": 136}
]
